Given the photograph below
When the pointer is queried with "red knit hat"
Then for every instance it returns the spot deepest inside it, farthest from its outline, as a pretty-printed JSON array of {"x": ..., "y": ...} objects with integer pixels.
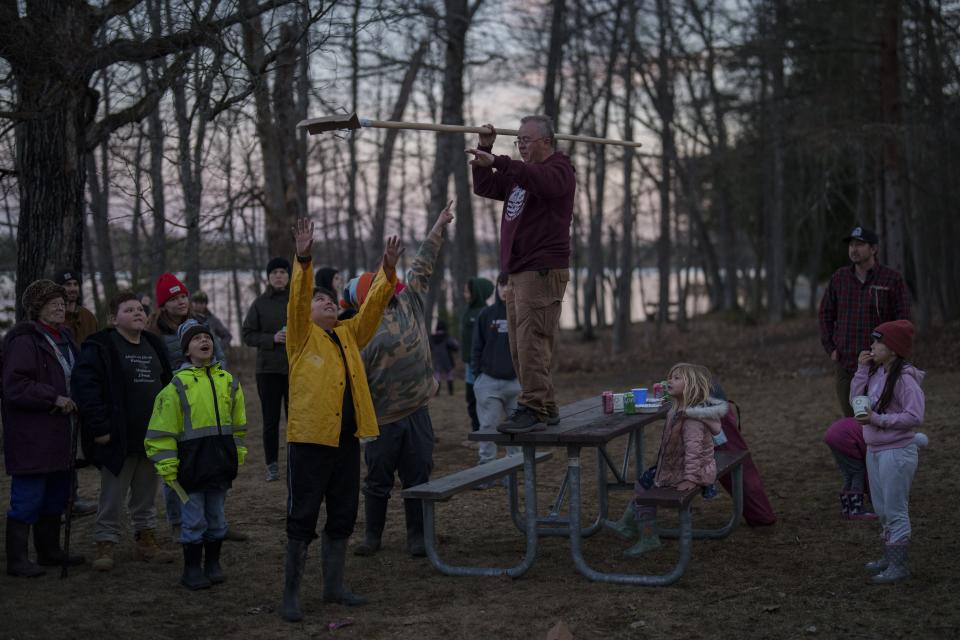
[
  {"x": 168, "y": 286},
  {"x": 896, "y": 336}
]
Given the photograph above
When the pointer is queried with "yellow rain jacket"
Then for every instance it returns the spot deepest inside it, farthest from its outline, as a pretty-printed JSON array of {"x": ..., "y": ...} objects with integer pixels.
[
  {"x": 317, "y": 374},
  {"x": 196, "y": 432}
]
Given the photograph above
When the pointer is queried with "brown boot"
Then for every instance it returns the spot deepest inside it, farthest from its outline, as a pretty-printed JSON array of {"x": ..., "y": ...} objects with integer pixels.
[
  {"x": 104, "y": 561},
  {"x": 149, "y": 551}
]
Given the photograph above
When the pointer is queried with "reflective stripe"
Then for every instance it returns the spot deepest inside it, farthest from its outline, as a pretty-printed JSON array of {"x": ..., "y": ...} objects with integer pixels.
[
  {"x": 163, "y": 455},
  {"x": 205, "y": 432},
  {"x": 156, "y": 433},
  {"x": 234, "y": 385},
  {"x": 184, "y": 405},
  {"x": 238, "y": 441}
]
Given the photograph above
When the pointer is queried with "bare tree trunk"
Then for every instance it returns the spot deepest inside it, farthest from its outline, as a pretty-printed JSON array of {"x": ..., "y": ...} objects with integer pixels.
[
  {"x": 621, "y": 324},
  {"x": 893, "y": 249},
  {"x": 352, "y": 214},
  {"x": 776, "y": 263},
  {"x": 665, "y": 109},
  {"x": 558, "y": 36},
  {"x": 389, "y": 141}
]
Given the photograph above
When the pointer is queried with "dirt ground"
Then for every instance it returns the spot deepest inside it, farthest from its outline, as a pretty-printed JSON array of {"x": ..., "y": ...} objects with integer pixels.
[{"x": 799, "y": 578}]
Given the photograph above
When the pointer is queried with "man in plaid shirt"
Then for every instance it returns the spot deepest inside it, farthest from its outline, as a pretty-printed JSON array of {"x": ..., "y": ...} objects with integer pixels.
[{"x": 858, "y": 298}]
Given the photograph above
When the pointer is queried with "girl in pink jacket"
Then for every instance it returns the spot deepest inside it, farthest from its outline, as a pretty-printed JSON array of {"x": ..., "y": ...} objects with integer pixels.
[
  {"x": 685, "y": 459},
  {"x": 897, "y": 405}
]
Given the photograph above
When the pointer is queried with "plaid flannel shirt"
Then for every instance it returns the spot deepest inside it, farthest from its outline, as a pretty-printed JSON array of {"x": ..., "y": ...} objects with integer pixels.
[{"x": 850, "y": 309}]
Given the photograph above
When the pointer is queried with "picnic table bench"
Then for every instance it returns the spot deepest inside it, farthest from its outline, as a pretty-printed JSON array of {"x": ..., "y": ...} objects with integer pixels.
[{"x": 442, "y": 489}]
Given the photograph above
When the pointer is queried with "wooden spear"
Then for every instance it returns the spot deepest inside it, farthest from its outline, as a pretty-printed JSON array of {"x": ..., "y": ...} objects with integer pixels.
[{"x": 351, "y": 121}]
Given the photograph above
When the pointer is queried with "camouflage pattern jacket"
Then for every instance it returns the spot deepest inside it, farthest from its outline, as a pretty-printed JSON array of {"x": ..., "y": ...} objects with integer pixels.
[{"x": 398, "y": 361}]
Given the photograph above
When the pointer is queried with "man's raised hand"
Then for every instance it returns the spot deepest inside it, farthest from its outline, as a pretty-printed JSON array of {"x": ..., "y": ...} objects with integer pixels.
[
  {"x": 487, "y": 139},
  {"x": 303, "y": 236},
  {"x": 392, "y": 253},
  {"x": 480, "y": 158},
  {"x": 445, "y": 217}
]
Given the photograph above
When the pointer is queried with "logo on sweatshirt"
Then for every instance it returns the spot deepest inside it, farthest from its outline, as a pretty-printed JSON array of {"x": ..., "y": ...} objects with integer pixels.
[{"x": 518, "y": 197}]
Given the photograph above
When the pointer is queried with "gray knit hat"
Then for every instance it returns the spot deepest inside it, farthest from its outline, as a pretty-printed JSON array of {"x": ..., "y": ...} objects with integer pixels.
[
  {"x": 39, "y": 293},
  {"x": 189, "y": 330}
]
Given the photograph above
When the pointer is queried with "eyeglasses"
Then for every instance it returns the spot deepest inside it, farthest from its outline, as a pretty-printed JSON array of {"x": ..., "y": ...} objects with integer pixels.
[
  {"x": 56, "y": 305},
  {"x": 526, "y": 141}
]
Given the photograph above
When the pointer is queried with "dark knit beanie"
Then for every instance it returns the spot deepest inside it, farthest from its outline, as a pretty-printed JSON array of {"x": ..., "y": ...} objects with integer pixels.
[
  {"x": 324, "y": 277},
  {"x": 896, "y": 336},
  {"x": 39, "y": 293},
  {"x": 278, "y": 263},
  {"x": 189, "y": 330},
  {"x": 63, "y": 275}
]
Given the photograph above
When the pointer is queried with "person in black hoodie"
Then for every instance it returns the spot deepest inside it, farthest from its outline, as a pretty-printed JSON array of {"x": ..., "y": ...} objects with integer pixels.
[
  {"x": 476, "y": 291},
  {"x": 265, "y": 328},
  {"x": 496, "y": 385},
  {"x": 119, "y": 373}
]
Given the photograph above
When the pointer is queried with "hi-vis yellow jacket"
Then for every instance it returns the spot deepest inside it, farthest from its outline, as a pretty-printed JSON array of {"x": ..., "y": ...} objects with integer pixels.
[
  {"x": 317, "y": 375},
  {"x": 197, "y": 428}
]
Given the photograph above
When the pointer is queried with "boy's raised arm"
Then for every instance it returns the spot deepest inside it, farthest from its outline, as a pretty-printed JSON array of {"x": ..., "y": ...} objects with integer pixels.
[{"x": 301, "y": 288}]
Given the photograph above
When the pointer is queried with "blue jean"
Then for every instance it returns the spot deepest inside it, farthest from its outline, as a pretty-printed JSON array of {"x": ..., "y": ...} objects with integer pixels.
[
  {"x": 40, "y": 494},
  {"x": 202, "y": 517}
]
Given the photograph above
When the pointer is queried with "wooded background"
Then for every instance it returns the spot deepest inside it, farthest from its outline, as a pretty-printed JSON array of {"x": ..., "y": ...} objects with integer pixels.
[{"x": 140, "y": 136}]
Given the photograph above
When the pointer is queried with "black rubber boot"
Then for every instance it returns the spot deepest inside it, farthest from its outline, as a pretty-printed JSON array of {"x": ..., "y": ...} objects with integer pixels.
[
  {"x": 375, "y": 510},
  {"x": 211, "y": 561},
  {"x": 193, "y": 577},
  {"x": 46, "y": 538},
  {"x": 333, "y": 556},
  {"x": 413, "y": 510},
  {"x": 292, "y": 574},
  {"x": 18, "y": 560}
]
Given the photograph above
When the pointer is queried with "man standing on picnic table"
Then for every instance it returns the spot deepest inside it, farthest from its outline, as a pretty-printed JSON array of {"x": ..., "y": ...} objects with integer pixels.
[
  {"x": 538, "y": 195},
  {"x": 858, "y": 298}
]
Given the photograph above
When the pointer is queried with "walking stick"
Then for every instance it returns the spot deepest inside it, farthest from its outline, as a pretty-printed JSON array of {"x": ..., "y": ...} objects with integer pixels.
[
  {"x": 352, "y": 121},
  {"x": 74, "y": 436}
]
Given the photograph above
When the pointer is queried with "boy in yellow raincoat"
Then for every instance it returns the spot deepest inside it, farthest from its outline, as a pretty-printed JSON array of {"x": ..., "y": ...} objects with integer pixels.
[
  {"x": 330, "y": 413},
  {"x": 195, "y": 440}
]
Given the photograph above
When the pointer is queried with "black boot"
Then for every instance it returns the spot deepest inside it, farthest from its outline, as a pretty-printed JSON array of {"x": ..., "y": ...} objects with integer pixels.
[
  {"x": 414, "y": 512},
  {"x": 46, "y": 538},
  {"x": 292, "y": 573},
  {"x": 18, "y": 560},
  {"x": 211, "y": 561},
  {"x": 333, "y": 555},
  {"x": 193, "y": 577},
  {"x": 450, "y": 387},
  {"x": 375, "y": 509}
]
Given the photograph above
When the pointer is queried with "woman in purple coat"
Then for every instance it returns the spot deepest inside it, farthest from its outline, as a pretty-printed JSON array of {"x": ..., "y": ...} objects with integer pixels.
[{"x": 37, "y": 418}]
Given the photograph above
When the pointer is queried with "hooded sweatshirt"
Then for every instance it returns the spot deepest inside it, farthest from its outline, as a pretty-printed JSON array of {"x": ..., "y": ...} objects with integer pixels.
[
  {"x": 480, "y": 290},
  {"x": 491, "y": 343},
  {"x": 892, "y": 429},
  {"x": 686, "y": 448}
]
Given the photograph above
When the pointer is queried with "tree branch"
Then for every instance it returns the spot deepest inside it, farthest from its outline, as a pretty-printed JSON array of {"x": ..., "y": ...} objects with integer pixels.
[
  {"x": 112, "y": 9},
  {"x": 99, "y": 132},
  {"x": 204, "y": 33}
]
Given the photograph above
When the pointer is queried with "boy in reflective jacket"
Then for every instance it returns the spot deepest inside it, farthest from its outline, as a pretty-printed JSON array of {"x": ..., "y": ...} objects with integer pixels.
[{"x": 195, "y": 440}]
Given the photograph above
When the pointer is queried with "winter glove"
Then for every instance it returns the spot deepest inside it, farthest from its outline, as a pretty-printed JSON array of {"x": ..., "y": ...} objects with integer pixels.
[
  {"x": 241, "y": 455},
  {"x": 167, "y": 469}
]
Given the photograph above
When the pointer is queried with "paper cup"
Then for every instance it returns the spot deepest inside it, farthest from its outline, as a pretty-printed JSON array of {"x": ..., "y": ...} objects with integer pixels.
[
  {"x": 640, "y": 396},
  {"x": 861, "y": 405}
]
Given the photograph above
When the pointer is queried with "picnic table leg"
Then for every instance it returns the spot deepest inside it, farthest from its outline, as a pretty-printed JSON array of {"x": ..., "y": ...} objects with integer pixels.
[
  {"x": 530, "y": 491},
  {"x": 725, "y": 530},
  {"x": 553, "y": 525},
  {"x": 576, "y": 547}
]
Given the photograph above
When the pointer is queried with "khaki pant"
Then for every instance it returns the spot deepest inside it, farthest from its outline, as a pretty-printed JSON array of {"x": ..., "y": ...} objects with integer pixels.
[
  {"x": 533, "y": 301},
  {"x": 844, "y": 378},
  {"x": 137, "y": 485}
]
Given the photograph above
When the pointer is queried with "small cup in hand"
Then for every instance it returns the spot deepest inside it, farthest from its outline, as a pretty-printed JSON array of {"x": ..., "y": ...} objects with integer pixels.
[{"x": 861, "y": 406}]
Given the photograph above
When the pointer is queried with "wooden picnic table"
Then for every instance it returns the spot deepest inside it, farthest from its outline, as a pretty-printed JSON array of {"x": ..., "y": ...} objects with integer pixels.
[{"x": 584, "y": 425}]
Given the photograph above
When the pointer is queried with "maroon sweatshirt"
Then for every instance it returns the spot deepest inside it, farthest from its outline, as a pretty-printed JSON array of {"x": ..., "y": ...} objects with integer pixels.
[{"x": 537, "y": 210}]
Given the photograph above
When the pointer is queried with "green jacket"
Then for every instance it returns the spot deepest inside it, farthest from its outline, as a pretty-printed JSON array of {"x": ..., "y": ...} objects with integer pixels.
[
  {"x": 197, "y": 428},
  {"x": 480, "y": 290}
]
